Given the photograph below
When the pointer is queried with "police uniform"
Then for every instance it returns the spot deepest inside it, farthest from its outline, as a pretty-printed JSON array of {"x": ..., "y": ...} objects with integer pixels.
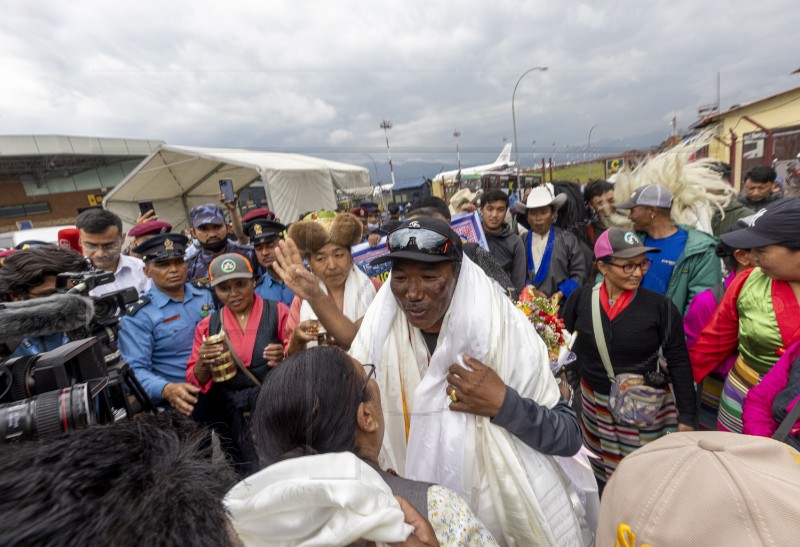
[
  {"x": 198, "y": 263},
  {"x": 156, "y": 335},
  {"x": 263, "y": 229}
]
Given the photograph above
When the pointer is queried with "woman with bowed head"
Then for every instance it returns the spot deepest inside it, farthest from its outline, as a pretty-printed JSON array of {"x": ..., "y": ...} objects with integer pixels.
[
  {"x": 323, "y": 402},
  {"x": 332, "y": 294},
  {"x": 635, "y": 326},
  {"x": 229, "y": 372}
]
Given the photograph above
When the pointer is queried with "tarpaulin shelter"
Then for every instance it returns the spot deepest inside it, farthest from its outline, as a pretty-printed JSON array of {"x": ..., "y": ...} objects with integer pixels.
[{"x": 176, "y": 178}]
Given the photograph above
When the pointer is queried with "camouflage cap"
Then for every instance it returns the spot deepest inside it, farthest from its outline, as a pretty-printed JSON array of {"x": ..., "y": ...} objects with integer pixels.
[{"x": 207, "y": 213}]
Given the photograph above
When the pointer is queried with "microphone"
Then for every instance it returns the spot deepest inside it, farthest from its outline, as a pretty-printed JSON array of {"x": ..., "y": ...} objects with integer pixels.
[
  {"x": 44, "y": 316},
  {"x": 69, "y": 238}
]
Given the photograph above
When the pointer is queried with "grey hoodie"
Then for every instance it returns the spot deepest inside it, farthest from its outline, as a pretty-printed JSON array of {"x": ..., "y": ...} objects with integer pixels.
[{"x": 509, "y": 251}]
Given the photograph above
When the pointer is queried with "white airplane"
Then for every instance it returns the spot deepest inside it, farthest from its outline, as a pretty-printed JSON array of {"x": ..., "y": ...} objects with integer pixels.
[{"x": 503, "y": 161}]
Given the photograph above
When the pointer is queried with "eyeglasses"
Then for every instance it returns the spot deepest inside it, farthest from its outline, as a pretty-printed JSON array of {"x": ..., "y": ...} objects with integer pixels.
[
  {"x": 370, "y": 374},
  {"x": 630, "y": 268},
  {"x": 420, "y": 239},
  {"x": 107, "y": 247}
]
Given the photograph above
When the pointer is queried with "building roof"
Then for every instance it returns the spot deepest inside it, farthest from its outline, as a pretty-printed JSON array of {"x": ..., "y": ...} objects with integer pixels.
[
  {"x": 409, "y": 184},
  {"x": 711, "y": 118},
  {"x": 50, "y": 156}
]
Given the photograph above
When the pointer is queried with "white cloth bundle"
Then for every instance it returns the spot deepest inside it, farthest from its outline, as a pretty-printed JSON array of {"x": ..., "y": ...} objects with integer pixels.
[{"x": 326, "y": 499}]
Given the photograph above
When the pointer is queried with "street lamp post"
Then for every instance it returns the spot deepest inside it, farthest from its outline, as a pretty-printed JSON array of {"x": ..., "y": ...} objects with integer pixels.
[
  {"x": 457, "y": 134},
  {"x": 588, "y": 152},
  {"x": 386, "y": 125},
  {"x": 513, "y": 113},
  {"x": 375, "y": 166}
]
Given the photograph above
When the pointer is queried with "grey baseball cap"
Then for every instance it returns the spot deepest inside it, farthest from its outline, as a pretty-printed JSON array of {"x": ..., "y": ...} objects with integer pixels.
[{"x": 652, "y": 195}]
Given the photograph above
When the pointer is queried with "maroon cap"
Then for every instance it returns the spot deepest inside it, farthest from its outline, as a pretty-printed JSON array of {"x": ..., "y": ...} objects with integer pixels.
[
  {"x": 360, "y": 212},
  {"x": 265, "y": 214},
  {"x": 150, "y": 227}
]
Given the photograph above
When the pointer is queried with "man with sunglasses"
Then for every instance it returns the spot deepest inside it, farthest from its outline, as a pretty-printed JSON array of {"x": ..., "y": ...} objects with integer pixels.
[
  {"x": 101, "y": 238},
  {"x": 686, "y": 263},
  {"x": 454, "y": 357}
]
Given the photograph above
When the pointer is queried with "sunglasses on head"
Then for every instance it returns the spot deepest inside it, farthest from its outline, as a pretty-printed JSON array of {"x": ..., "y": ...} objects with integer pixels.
[{"x": 419, "y": 239}]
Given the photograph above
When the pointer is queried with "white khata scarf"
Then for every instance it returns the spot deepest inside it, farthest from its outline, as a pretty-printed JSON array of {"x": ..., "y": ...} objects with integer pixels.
[
  {"x": 359, "y": 292},
  {"x": 326, "y": 499},
  {"x": 520, "y": 494}
]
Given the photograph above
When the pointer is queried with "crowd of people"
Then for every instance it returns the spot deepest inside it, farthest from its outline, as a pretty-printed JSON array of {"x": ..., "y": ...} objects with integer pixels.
[{"x": 425, "y": 410}]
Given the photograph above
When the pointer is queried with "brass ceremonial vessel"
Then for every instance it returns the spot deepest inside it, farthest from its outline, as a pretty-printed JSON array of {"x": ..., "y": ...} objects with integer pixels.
[{"x": 222, "y": 367}]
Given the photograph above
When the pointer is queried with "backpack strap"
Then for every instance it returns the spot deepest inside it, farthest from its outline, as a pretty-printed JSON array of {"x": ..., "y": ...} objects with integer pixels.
[
  {"x": 718, "y": 291},
  {"x": 788, "y": 422}
]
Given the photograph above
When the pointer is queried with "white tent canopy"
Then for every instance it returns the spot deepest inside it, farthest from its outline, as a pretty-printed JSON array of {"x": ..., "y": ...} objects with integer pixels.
[{"x": 176, "y": 178}]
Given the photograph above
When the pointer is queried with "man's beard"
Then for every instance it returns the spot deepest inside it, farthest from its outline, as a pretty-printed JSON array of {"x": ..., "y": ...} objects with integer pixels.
[{"x": 214, "y": 246}]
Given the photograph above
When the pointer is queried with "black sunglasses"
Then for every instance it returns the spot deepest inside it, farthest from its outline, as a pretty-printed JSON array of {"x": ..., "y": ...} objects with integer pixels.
[
  {"x": 420, "y": 239},
  {"x": 370, "y": 374}
]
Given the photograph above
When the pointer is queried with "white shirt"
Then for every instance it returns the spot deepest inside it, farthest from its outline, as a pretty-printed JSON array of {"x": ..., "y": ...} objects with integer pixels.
[
  {"x": 129, "y": 273},
  {"x": 538, "y": 245}
]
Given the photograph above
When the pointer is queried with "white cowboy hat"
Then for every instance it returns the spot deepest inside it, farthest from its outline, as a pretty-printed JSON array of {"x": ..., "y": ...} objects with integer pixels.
[{"x": 541, "y": 196}]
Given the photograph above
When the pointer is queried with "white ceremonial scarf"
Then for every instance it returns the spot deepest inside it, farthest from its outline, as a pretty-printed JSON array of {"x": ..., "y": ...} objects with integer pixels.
[
  {"x": 520, "y": 494},
  {"x": 359, "y": 292},
  {"x": 326, "y": 499}
]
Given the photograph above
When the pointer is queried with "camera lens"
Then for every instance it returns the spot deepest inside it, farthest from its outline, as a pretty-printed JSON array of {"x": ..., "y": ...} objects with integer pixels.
[{"x": 47, "y": 414}]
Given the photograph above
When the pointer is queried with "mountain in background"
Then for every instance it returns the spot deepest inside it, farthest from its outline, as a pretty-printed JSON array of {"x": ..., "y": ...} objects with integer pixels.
[{"x": 417, "y": 168}]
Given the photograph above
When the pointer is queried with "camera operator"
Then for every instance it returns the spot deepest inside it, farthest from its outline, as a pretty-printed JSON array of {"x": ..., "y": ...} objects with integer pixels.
[
  {"x": 157, "y": 333},
  {"x": 31, "y": 273},
  {"x": 101, "y": 238}
]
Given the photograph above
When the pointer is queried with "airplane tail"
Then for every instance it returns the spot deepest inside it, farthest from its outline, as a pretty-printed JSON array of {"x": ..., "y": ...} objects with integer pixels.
[{"x": 505, "y": 156}]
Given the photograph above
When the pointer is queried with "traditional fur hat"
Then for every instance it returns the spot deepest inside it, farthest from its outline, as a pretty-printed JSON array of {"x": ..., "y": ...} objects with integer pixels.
[{"x": 313, "y": 232}]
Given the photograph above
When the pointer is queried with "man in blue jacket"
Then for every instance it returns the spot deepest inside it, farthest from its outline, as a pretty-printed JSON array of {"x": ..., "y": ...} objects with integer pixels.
[{"x": 687, "y": 263}]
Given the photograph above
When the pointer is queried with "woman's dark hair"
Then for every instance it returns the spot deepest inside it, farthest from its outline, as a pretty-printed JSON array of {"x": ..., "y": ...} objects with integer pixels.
[
  {"x": 308, "y": 405},
  {"x": 26, "y": 269},
  {"x": 432, "y": 202},
  {"x": 570, "y": 215},
  {"x": 791, "y": 245}
]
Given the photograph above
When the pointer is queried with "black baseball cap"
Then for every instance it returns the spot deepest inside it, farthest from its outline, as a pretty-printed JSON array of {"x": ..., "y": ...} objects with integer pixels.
[
  {"x": 780, "y": 223},
  {"x": 424, "y": 240}
]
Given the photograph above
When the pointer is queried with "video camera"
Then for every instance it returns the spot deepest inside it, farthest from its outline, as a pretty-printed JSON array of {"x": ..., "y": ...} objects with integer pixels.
[
  {"x": 82, "y": 382},
  {"x": 109, "y": 308}
]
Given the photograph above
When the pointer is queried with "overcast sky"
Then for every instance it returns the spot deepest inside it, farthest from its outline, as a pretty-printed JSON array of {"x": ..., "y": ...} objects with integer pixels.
[{"x": 318, "y": 77}]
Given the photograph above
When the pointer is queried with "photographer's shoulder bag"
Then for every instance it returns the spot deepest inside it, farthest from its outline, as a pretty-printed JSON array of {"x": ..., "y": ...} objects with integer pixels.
[{"x": 631, "y": 402}]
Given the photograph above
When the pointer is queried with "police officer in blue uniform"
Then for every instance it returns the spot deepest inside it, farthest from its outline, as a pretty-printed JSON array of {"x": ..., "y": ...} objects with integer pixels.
[
  {"x": 264, "y": 235},
  {"x": 157, "y": 333}
]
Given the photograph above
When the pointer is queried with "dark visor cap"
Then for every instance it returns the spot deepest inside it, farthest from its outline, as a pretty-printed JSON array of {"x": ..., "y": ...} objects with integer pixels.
[
  {"x": 780, "y": 223},
  {"x": 424, "y": 240}
]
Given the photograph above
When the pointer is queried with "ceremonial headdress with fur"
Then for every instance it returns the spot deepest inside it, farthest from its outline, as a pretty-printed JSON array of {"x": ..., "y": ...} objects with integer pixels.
[{"x": 317, "y": 229}]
